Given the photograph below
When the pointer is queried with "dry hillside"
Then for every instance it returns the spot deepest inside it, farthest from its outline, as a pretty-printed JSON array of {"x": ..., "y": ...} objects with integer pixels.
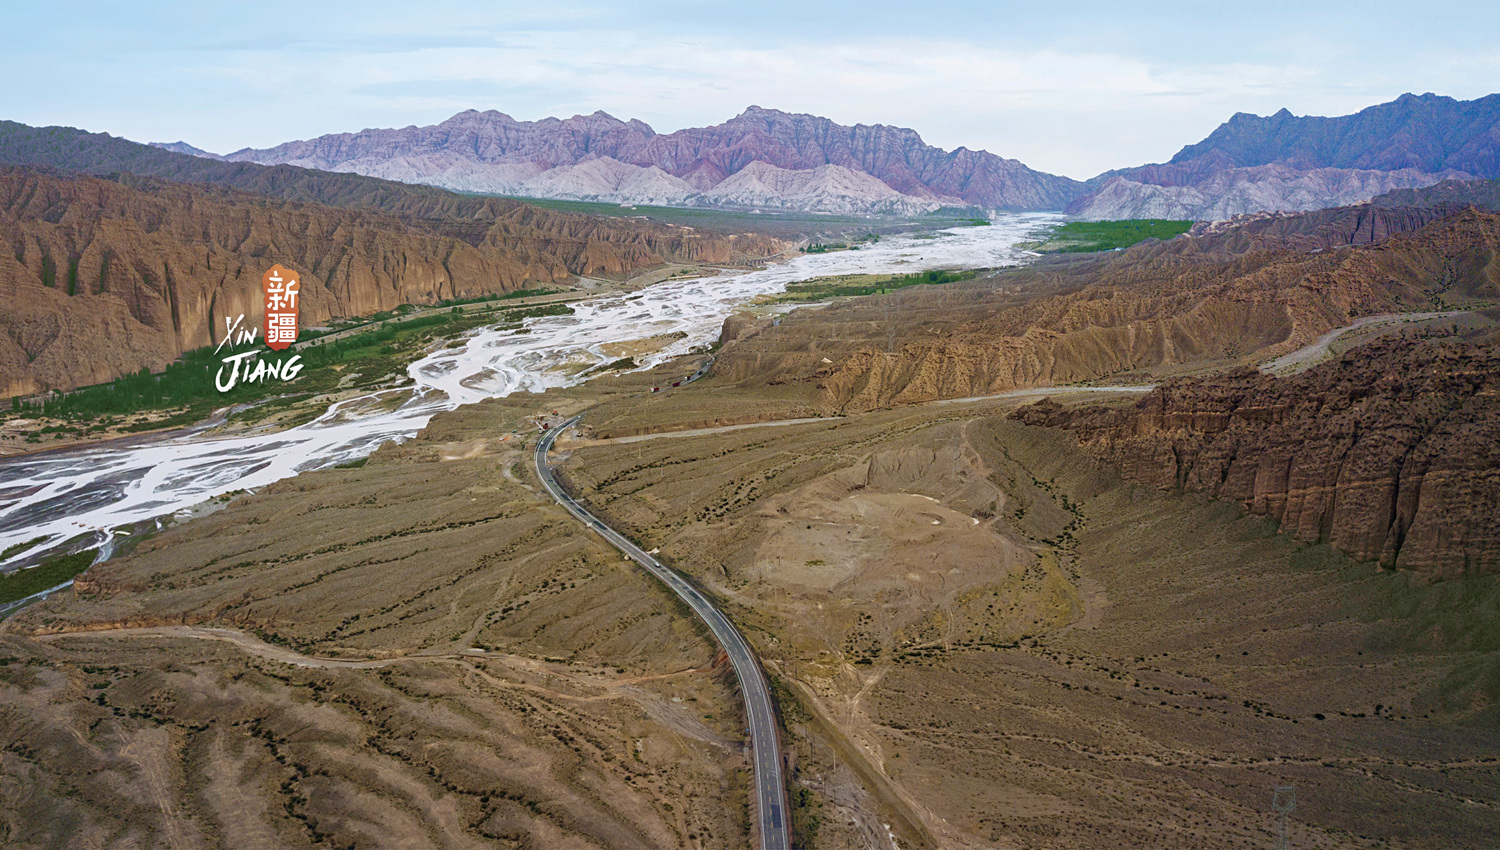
[
  {"x": 423, "y": 652},
  {"x": 1007, "y": 645},
  {"x": 1152, "y": 310},
  {"x": 104, "y": 278}
]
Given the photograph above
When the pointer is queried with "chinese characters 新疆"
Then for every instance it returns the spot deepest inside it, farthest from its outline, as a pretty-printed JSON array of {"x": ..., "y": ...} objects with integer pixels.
[{"x": 280, "y": 287}]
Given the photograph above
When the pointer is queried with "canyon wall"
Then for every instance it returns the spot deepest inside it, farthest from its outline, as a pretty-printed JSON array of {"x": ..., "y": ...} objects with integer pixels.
[
  {"x": 102, "y": 278},
  {"x": 1188, "y": 303},
  {"x": 1390, "y": 454}
]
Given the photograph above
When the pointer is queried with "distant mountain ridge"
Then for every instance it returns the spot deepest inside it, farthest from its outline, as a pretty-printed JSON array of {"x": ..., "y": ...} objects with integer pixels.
[
  {"x": 493, "y": 152},
  {"x": 1285, "y": 162},
  {"x": 103, "y": 155},
  {"x": 1217, "y": 195},
  {"x": 1426, "y": 132},
  {"x": 774, "y": 160}
]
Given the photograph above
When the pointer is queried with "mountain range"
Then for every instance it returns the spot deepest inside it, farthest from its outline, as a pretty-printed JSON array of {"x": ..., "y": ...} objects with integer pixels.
[
  {"x": 1285, "y": 162},
  {"x": 774, "y": 160},
  {"x": 760, "y": 158}
]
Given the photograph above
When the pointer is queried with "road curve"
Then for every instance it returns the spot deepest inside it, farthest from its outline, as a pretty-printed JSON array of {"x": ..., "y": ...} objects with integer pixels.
[
  {"x": 765, "y": 746},
  {"x": 1309, "y": 355}
]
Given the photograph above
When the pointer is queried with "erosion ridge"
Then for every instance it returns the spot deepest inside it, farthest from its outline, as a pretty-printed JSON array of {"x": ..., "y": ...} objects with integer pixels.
[
  {"x": 104, "y": 278},
  {"x": 1360, "y": 224},
  {"x": 1388, "y": 453},
  {"x": 436, "y": 659},
  {"x": 1191, "y": 302}
]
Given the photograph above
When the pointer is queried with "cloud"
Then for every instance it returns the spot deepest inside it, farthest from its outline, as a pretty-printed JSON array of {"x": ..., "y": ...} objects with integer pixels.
[
  {"x": 1070, "y": 93},
  {"x": 954, "y": 92}
]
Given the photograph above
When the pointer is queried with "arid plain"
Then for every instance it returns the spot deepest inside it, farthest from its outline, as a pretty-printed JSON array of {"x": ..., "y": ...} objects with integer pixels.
[
  {"x": 978, "y": 632},
  {"x": 980, "y": 637}
]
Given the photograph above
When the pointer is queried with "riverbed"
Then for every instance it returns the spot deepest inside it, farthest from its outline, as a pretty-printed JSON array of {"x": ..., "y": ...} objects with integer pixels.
[{"x": 79, "y": 498}]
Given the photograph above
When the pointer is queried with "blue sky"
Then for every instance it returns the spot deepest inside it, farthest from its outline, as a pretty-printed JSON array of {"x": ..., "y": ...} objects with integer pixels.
[{"x": 1069, "y": 87}]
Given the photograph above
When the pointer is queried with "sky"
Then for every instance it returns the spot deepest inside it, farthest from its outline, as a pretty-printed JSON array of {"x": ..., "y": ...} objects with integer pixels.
[{"x": 1071, "y": 88}]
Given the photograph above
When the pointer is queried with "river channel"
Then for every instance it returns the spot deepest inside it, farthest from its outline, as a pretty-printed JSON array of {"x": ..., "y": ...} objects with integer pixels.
[{"x": 81, "y": 498}]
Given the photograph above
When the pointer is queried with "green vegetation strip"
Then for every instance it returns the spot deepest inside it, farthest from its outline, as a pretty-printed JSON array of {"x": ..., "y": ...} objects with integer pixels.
[
  {"x": 49, "y": 573},
  {"x": 1086, "y": 236},
  {"x": 623, "y": 364},
  {"x": 20, "y": 547},
  {"x": 519, "y": 293},
  {"x": 847, "y": 286},
  {"x": 186, "y": 388}
]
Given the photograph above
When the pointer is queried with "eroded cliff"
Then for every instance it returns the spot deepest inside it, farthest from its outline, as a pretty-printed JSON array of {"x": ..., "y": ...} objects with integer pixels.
[
  {"x": 1390, "y": 453},
  {"x": 1152, "y": 310}
]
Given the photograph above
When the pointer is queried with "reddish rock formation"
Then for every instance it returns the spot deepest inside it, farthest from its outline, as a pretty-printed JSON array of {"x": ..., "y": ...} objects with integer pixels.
[
  {"x": 1184, "y": 302},
  {"x": 1391, "y": 453},
  {"x": 102, "y": 278}
]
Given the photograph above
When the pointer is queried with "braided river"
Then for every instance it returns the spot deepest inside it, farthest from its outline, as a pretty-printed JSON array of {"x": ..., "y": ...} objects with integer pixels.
[{"x": 84, "y": 497}]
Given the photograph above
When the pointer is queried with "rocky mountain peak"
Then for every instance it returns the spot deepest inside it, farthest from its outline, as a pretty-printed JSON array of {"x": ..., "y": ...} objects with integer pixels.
[{"x": 488, "y": 121}]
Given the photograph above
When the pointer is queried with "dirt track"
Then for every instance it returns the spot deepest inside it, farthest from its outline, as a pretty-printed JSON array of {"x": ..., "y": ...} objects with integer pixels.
[
  {"x": 1311, "y": 355},
  {"x": 1035, "y": 392}
]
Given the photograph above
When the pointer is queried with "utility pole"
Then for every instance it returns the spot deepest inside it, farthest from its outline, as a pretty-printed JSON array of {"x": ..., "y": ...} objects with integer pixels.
[{"x": 1283, "y": 800}]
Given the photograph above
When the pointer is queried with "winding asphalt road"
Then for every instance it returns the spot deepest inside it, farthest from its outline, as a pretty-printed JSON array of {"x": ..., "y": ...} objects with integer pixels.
[{"x": 770, "y": 785}]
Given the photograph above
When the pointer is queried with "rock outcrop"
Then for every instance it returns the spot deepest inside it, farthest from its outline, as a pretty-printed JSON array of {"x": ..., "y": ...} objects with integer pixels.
[
  {"x": 829, "y": 188},
  {"x": 485, "y": 151},
  {"x": 103, "y": 278},
  {"x": 1390, "y": 454},
  {"x": 1449, "y": 193}
]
